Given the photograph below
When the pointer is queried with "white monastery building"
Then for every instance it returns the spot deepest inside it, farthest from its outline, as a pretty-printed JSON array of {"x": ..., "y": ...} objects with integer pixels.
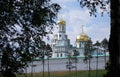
[{"x": 61, "y": 43}]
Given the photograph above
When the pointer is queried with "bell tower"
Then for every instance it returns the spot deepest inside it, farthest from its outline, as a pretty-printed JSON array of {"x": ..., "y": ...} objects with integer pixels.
[
  {"x": 61, "y": 30},
  {"x": 62, "y": 26},
  {"x": 61, "y": 43}
]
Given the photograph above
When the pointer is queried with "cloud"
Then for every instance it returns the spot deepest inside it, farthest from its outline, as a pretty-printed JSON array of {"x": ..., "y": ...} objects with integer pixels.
[{"x": 98, "y": 31}]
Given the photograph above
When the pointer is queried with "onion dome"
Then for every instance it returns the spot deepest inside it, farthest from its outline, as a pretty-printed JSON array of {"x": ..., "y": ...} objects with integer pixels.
[
  {"x": 82, "y": 37},
  {"x": 61, "y": 22}
]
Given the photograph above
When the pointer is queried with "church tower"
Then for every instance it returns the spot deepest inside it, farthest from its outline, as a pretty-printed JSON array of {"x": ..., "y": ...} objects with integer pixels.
[{"x": 61, "y": 30}]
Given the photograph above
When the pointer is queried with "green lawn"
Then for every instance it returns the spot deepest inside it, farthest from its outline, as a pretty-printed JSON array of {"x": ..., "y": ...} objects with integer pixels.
[{"x": 66, "y": 74}]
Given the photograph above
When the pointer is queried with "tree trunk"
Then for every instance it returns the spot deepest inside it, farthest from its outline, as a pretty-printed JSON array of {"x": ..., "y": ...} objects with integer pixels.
[
  {"x": 105, "y": 56},
  {"x": 43, "y": 67},
  {"x": 97, "y": 63},
  {"x": 114, "y": 41},
  {"x": 48, "y": 68}
]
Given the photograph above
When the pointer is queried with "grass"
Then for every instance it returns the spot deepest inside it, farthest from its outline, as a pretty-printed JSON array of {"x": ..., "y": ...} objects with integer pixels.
[{"x": 66, "y": 74}]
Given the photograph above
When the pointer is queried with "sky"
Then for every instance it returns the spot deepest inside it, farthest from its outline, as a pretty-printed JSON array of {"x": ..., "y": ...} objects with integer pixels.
[{"x": 97, "y": 28}]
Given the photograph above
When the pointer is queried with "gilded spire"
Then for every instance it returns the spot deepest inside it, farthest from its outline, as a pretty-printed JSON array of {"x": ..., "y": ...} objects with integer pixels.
[
  {"x": 82, "y": 36},
  {"x": 61, "y": 21}
]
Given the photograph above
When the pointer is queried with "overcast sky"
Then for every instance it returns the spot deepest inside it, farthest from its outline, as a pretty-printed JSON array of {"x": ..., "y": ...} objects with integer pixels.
[{"x": 96, "y": 28}]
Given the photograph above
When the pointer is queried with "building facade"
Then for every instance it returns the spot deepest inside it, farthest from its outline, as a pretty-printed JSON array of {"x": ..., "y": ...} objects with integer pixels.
[{"x": 61, "y": 43}]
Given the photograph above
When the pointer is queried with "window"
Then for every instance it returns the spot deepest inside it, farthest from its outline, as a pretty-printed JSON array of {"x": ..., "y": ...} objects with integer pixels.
[
  {"x": 62, "y": 28},
  {"x": 59, "y": 35},
  {"x": 61, "y": 54},
  {"x": 57, "y": 55}
]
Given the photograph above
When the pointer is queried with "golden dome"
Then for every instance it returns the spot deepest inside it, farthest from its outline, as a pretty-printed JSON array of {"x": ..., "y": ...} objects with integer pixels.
[
  {"x": 62, "y": 22},
  {"x": 82, "y": 37}
]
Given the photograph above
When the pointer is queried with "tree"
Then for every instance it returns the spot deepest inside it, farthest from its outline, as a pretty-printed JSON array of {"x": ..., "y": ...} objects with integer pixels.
[
  {"x": 23, "y": 25},
  {"x": 87, "y": 53},
  {"x": 72, "y": 58},
  {"x": 114, "y": 40},
  {"x": 69, "y": 62},
  {"x": 48, "y": 54},
  {"x": 104, "y": 44},
  {"x": 88, "y": 48},
  {"x": 97, "y": 44},
  {"x": 46, "y": 51},
  {"x": 75, "y": 54}
]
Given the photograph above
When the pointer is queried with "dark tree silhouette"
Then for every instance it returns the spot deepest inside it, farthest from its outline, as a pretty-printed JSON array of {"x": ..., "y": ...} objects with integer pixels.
[
  {"x": 23, "y": 24},
  {"x": 114, "y": 41}
]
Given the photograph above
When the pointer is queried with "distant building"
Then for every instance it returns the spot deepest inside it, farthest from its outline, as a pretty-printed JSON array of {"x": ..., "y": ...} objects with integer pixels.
[{"x": 61, "y": 44}]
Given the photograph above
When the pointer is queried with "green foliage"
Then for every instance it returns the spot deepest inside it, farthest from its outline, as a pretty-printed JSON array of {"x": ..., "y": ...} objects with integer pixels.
[
  {"x": 75, "y": 53},
  {"x": 88, "y": 51},
  {"x": 93, "y": 5},
  {"x": 104, "y": 43},
  {"x": 74, "y": 56},
  {"x": 108, "y": 68},
  {"x": 97, "y": 43},
  {"x": 23, "y": 25}
]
